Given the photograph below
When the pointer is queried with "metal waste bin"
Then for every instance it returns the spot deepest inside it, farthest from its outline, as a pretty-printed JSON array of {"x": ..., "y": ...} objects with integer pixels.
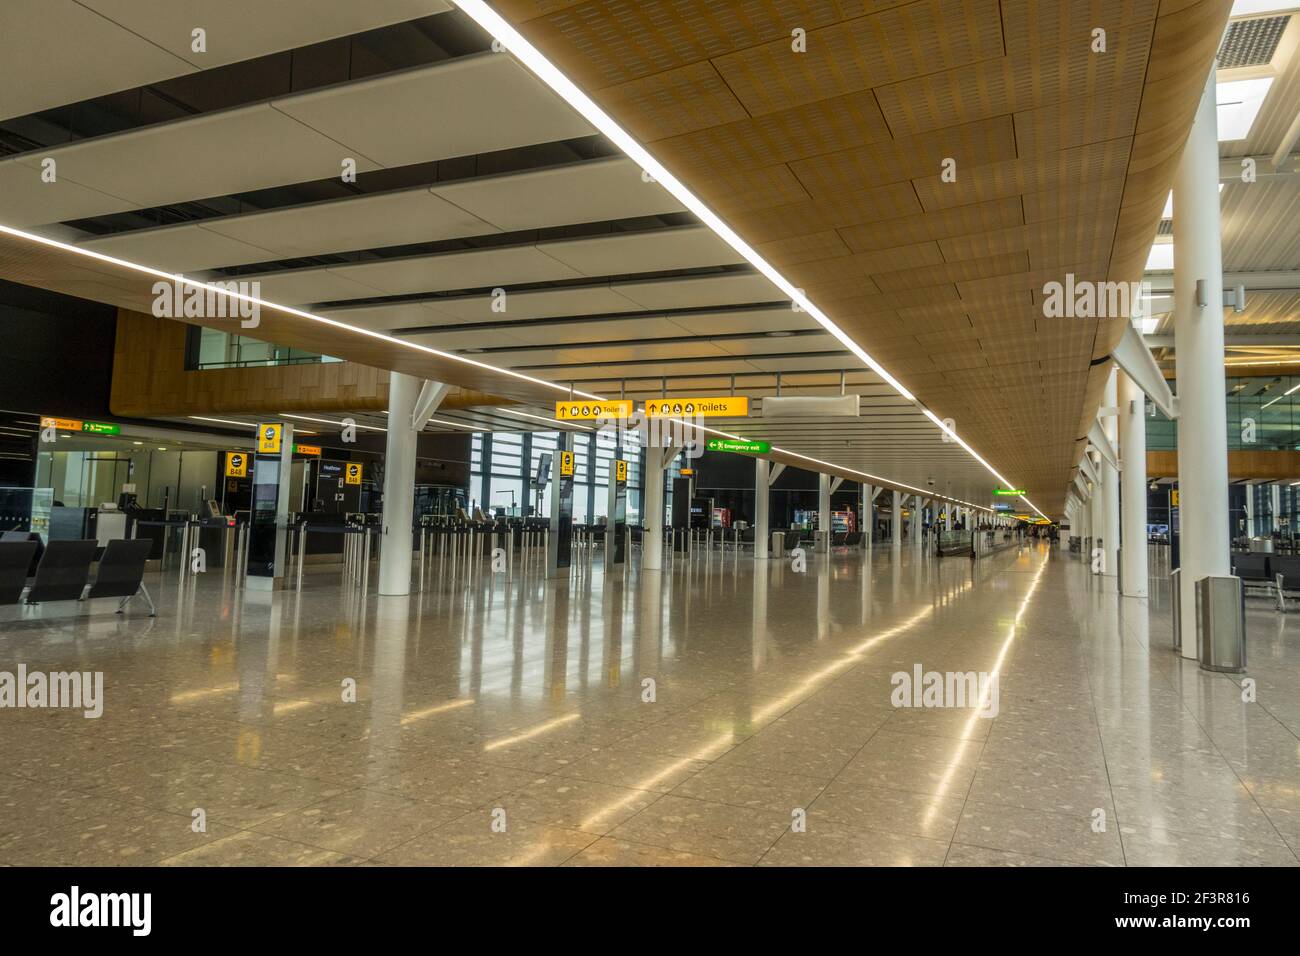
[
  {"x": 1220, "y": 624},
  {"x": 1177, "y": 609},
  {"x": 778, "y": 545}
]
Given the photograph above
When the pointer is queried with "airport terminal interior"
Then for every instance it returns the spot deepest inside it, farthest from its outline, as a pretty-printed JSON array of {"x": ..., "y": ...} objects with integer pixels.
[{"x": 670, "y": 433}]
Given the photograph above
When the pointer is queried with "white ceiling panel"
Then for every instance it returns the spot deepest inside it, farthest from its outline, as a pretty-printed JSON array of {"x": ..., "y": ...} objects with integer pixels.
[
  {"x": 27, "y": 201},
  {"x": 595, "y": 191},
  {"x": 57, "y": 52},
  {"x": 196, "y": 158},
  {"x": 344, "y": 225},
  {"x": 472, "y": 104},
  {"x": 731, "y": 289},
  {"x": 304, "y": 286},
  {"x": 451, "y": 341},
  {"x": 543, "y": 304},
  {"x": 384, "y": 318},
  {"x": 658, "y": 251},
  {"x": 478, "y": 268},
  {"x": 178, "y": 248},
  {"x": 754, "y": 320},
  {"x": 81, "y": 49},
  {"x": 649, "y": 326},
  {"x": 229, "y": 24}
]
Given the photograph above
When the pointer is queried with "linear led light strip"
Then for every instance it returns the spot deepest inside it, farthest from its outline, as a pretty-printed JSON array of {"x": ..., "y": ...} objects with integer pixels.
[
  {"x": 403, "y": 343},
  {"x": 550, "y": 74},
  {"x": 828, "y": 464}
]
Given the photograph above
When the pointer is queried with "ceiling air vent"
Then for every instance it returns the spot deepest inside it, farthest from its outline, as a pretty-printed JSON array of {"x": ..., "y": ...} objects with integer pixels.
[
  {"x": 1166, "y": 228},
  {"x": 1251, "y": 42}
]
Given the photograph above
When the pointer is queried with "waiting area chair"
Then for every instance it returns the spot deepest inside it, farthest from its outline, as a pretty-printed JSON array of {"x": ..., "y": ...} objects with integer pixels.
[{"x": 64, "y": 572}]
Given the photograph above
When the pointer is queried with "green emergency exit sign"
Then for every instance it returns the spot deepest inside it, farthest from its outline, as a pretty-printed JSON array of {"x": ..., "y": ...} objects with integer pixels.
[
  {"x": 735, "y": 445},
  {"x": 1009, "y": 492},
  {"x": 101, "y": 428}
]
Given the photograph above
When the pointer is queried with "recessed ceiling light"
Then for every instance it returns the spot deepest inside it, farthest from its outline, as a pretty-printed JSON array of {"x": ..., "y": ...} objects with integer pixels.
[{"x": 780, "y": 333}]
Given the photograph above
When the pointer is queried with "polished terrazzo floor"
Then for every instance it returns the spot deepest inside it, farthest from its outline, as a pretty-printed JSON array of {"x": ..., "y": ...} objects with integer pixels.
[{"x": 500, "y": 719}]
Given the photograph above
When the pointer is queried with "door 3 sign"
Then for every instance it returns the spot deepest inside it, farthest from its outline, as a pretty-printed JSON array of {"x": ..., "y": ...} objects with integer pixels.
[
  {"x": 236, "y": 464},
  {"x": 734, "y": 406},
  {"x": 352, "y": 474}
]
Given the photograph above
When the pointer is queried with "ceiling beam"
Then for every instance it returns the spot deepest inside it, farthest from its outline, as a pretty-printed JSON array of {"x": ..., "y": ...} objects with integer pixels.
[{"x": 1136, "y": 361}]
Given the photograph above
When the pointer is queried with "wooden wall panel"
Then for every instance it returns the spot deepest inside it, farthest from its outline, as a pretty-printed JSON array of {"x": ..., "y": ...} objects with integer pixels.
[
  {"x": 1264, "y": 465},
  {"x": 150, "y": 379}
]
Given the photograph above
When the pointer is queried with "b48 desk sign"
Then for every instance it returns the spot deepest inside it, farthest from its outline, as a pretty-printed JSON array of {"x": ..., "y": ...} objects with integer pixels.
[
  {"x": 727, "y": 406},
  {"x": 573, "y": 410},
  {"x": 742, "y": 447}
]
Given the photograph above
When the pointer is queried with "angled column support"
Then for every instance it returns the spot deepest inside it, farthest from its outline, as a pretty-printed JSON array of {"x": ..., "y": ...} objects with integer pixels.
[
  {"x": 1135, "y": 359},
  {"x": 1089, "y": 469},
  {"x": 430, "y": 397},
  {"x": 1100, "y": 440},
  {"x": 836, "y": 481}
]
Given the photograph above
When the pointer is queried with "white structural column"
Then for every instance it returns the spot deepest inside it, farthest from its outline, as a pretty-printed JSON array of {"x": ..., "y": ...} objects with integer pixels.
[
  {"x": 1198, "y": 344},
  {"x": 761, "y": 500},
  {"x": 896, "y": 521},
  {"x": 1110, "y": 482},
  {"x": 657, "y": 461},
  {"x": 1097, "y": 509},
  {"x": 395, "y": 544},
  {"x": 823, "y": 511},
  {"x": 1133, "y": 459}
]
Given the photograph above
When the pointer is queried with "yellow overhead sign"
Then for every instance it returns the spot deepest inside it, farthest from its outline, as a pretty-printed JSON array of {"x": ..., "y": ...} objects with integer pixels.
[
  {"x": 62, "y": 424},
  {"x": 352, "y": 474},
  {"x": 268, "y": 438},
  {"x": 306, "y": 449},
  {"x": 727, "y": 406},
  {"x": 236, "y": 464},
  {"x": 586, "y": 410},
  {"x": 566, "y": 464}
]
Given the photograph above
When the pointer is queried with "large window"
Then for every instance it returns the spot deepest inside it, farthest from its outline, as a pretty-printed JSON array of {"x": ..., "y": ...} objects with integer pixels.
[
  {"x": 214, "y": 348},
  {"x": 1263, "y": 415},
  {"x": 504, "y": 464}
]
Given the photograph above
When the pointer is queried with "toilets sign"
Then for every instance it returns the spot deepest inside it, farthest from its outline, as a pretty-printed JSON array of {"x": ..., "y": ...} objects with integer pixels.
[
  {"x": 588, "y": 410},
  {"x": 728, "y": 406}
]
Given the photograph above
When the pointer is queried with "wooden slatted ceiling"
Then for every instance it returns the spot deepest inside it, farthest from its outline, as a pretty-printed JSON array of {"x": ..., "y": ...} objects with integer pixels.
[{"x": 829, "y": 162}]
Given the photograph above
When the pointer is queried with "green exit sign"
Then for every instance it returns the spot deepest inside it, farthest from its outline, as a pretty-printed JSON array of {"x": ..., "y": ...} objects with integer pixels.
[
  {"x": 101, "y": 428},
  {"x": 1009, "y": 492},
  {"x": 744, "y": 447}
]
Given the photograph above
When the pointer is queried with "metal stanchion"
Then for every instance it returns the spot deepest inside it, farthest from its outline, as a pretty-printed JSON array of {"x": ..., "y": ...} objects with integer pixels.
[
  {"x": 302, "y": 551},
  {"x": 421, "y": 587},
  {"x": 365, "y": 566},
  {"x": 184, "y": 554}
]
